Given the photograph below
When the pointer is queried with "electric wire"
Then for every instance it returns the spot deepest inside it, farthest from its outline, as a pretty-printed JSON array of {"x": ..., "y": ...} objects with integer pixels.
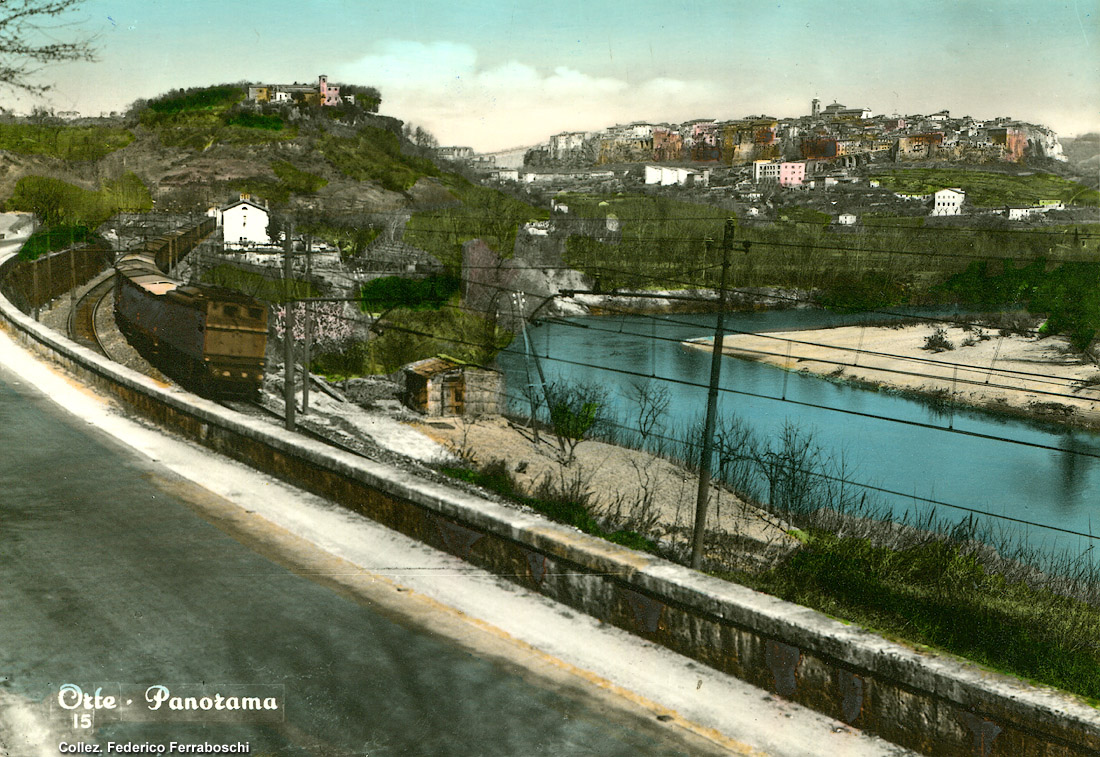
[{"x": 845, "y": 481}]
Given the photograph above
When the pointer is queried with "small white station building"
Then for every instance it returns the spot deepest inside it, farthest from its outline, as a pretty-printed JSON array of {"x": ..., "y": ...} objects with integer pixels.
[{"x": 244, "y": 223}]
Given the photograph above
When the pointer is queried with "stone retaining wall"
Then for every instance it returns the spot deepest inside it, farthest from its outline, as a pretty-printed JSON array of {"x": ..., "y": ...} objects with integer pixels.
[{"x": 926, "y": 702}]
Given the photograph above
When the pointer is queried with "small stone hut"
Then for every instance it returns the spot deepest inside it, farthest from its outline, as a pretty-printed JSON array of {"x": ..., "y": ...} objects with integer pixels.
[{"x": 445, "y": 386}]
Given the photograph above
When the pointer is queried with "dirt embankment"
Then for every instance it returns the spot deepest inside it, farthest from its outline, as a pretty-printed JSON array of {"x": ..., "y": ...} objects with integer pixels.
[
  {"x": 626, "y": 488},
  {"x": 1028, "y": 376}
]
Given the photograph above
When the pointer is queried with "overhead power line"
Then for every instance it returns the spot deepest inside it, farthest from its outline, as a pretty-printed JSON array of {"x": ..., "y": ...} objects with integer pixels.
[
  {"x": 847, "y": 481},
  {"x": 787, "y": 400}
]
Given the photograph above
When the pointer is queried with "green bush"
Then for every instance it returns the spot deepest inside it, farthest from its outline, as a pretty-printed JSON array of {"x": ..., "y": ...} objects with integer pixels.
[
  {"x": 347, "y": 360},
  {"x": 56, "y": 202},
  {"x": 937, "y": 341},
  {"x": 412, "y": 294},
  {"x": 196, "y": 99},
  {"x": 410, "y": 335},
  {"x": 1068, "y": 294},
  {"x": 53, "y": 238}
]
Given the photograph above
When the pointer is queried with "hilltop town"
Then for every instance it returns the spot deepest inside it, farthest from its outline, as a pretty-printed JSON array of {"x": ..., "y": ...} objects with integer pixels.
[
  {"x": 749, "y": 159},
  {"x": 833, "y": 136}
]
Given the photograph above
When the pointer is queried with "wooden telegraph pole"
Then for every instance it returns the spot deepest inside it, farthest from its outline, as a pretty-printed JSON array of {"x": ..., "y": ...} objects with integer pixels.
[
  {"x": 309, "y": 330},
  {"x": 712, "y": 402},
  {"x": 288, "y": 330}
]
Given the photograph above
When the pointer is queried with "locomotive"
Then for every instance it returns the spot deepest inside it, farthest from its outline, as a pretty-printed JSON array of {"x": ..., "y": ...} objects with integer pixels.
[{"x": 210, "y": 339}]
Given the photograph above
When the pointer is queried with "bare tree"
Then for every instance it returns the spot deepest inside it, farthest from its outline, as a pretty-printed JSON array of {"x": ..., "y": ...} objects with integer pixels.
[
  {"x": 651, "y": 403},
  {"x": 28, "y": 40}
]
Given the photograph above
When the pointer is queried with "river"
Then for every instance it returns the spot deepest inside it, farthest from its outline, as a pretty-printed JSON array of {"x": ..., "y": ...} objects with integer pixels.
[{"x": 1020, "y": 479}]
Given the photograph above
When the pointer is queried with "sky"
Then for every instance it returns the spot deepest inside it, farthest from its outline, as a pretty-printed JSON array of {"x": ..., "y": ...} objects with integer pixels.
[{"x": 495, "y": 74}]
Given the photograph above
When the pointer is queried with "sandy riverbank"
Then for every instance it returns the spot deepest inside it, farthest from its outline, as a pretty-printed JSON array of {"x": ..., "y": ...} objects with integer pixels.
[{"x": 1017, "y": 374}]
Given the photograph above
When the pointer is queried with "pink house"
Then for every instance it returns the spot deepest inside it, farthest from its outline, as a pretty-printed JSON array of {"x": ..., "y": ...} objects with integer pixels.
[
  {"x": 329, "y": 95},
  {"x": 792, "y": 174}
]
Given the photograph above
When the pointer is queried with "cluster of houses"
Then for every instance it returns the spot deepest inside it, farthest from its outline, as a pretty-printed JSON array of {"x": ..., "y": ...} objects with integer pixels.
[
  {"x": 833, "y": 135},
  {"x": 320, "y": 94},
  {"x": 951, "y": 202}
]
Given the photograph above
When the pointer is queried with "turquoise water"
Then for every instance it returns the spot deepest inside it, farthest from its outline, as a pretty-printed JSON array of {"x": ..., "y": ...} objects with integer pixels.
[{"x": 1054, "y": 487}]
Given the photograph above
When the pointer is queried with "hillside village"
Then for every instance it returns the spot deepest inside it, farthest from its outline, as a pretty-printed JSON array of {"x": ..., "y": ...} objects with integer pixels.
[
  {"x": 749, "y": 159},
  {"x": 831, "y": 136}
]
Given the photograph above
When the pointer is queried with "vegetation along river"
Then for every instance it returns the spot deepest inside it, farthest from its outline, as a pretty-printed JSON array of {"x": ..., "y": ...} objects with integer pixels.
[{"x": 924, "y": 457}]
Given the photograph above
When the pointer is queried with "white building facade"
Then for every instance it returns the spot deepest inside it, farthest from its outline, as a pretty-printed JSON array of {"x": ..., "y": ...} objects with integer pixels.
[
  {"x": 666, "y": 176},
  {"x": 765, "y": 170},
  {"x": 244, "y": 224},
  {"x": 948, "y": 202}
]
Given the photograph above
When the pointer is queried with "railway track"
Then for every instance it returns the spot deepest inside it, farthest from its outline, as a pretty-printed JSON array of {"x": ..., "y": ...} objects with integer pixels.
[
  {"x": 82, "y": 317},
  {"x": 262, "y": 410}
]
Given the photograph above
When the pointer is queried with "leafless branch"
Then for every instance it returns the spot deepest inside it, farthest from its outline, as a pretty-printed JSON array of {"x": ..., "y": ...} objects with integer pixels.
[{"x": 28, "y": 43}]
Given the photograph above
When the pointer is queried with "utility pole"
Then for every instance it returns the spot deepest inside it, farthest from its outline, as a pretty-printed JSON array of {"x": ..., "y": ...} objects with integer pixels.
[
  {"x": 520, "y": 303},
  {"x": 712, "y": 402},
  {"x": 34, "y": 271},
  {"x": 288, "y": 330},
  {"x": 72, "y": 277},
  {"x": 309, "y": 329}
]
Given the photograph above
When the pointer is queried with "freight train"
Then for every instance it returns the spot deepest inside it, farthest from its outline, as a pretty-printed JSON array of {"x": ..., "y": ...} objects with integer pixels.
[{"x": 210, "y": 339}]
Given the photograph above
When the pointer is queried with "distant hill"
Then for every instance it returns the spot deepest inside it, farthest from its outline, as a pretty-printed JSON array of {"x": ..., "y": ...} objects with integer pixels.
[
  {"x": 347, "y": 174},
  {"x": 198, "y": 147}
]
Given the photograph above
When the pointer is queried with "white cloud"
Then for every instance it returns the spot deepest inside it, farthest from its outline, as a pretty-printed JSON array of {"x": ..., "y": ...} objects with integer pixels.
[{"x": 441, "y": 86}]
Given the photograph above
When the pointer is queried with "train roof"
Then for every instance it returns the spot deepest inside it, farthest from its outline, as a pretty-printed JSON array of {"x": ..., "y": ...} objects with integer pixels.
[
  {"x": 141, "y": 269},
  {"x": 155, "y": 284}
]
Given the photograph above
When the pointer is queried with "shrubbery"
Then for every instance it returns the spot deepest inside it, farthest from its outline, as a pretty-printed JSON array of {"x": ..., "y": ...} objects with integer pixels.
[
  {"x": 58, "y": 202},
  {"x": 413, "y": 294},
  {"x": 53, "y": 238},
  {"x": 374, "y": 154},
  {"x": 1068, "y": 294},
  {"x": 937, "y": 341},
  {"x": 484, "y": 213}
]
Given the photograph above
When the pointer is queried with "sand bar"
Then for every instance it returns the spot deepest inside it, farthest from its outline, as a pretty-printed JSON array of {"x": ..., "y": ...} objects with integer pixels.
[{"x": 1037, "y": 377}]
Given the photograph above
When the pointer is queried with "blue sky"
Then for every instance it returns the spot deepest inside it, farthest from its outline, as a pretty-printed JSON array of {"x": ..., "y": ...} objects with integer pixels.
[{"x": 494, "y": 74}]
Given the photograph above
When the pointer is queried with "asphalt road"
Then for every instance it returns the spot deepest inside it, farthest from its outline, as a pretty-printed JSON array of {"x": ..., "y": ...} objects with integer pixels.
[{"x": 110, "y": 575}]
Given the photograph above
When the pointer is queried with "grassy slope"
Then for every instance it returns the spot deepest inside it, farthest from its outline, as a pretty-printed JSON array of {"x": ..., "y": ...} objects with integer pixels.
[
  {"x": 375, "y": 154},
  {"x": 201, "y": 117},
  {"x": 483, "y": 214},
  {"x": 936, "y": 595},
  {"x": 64, "y": 142},
  {"x": 988, "y": 189}
]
